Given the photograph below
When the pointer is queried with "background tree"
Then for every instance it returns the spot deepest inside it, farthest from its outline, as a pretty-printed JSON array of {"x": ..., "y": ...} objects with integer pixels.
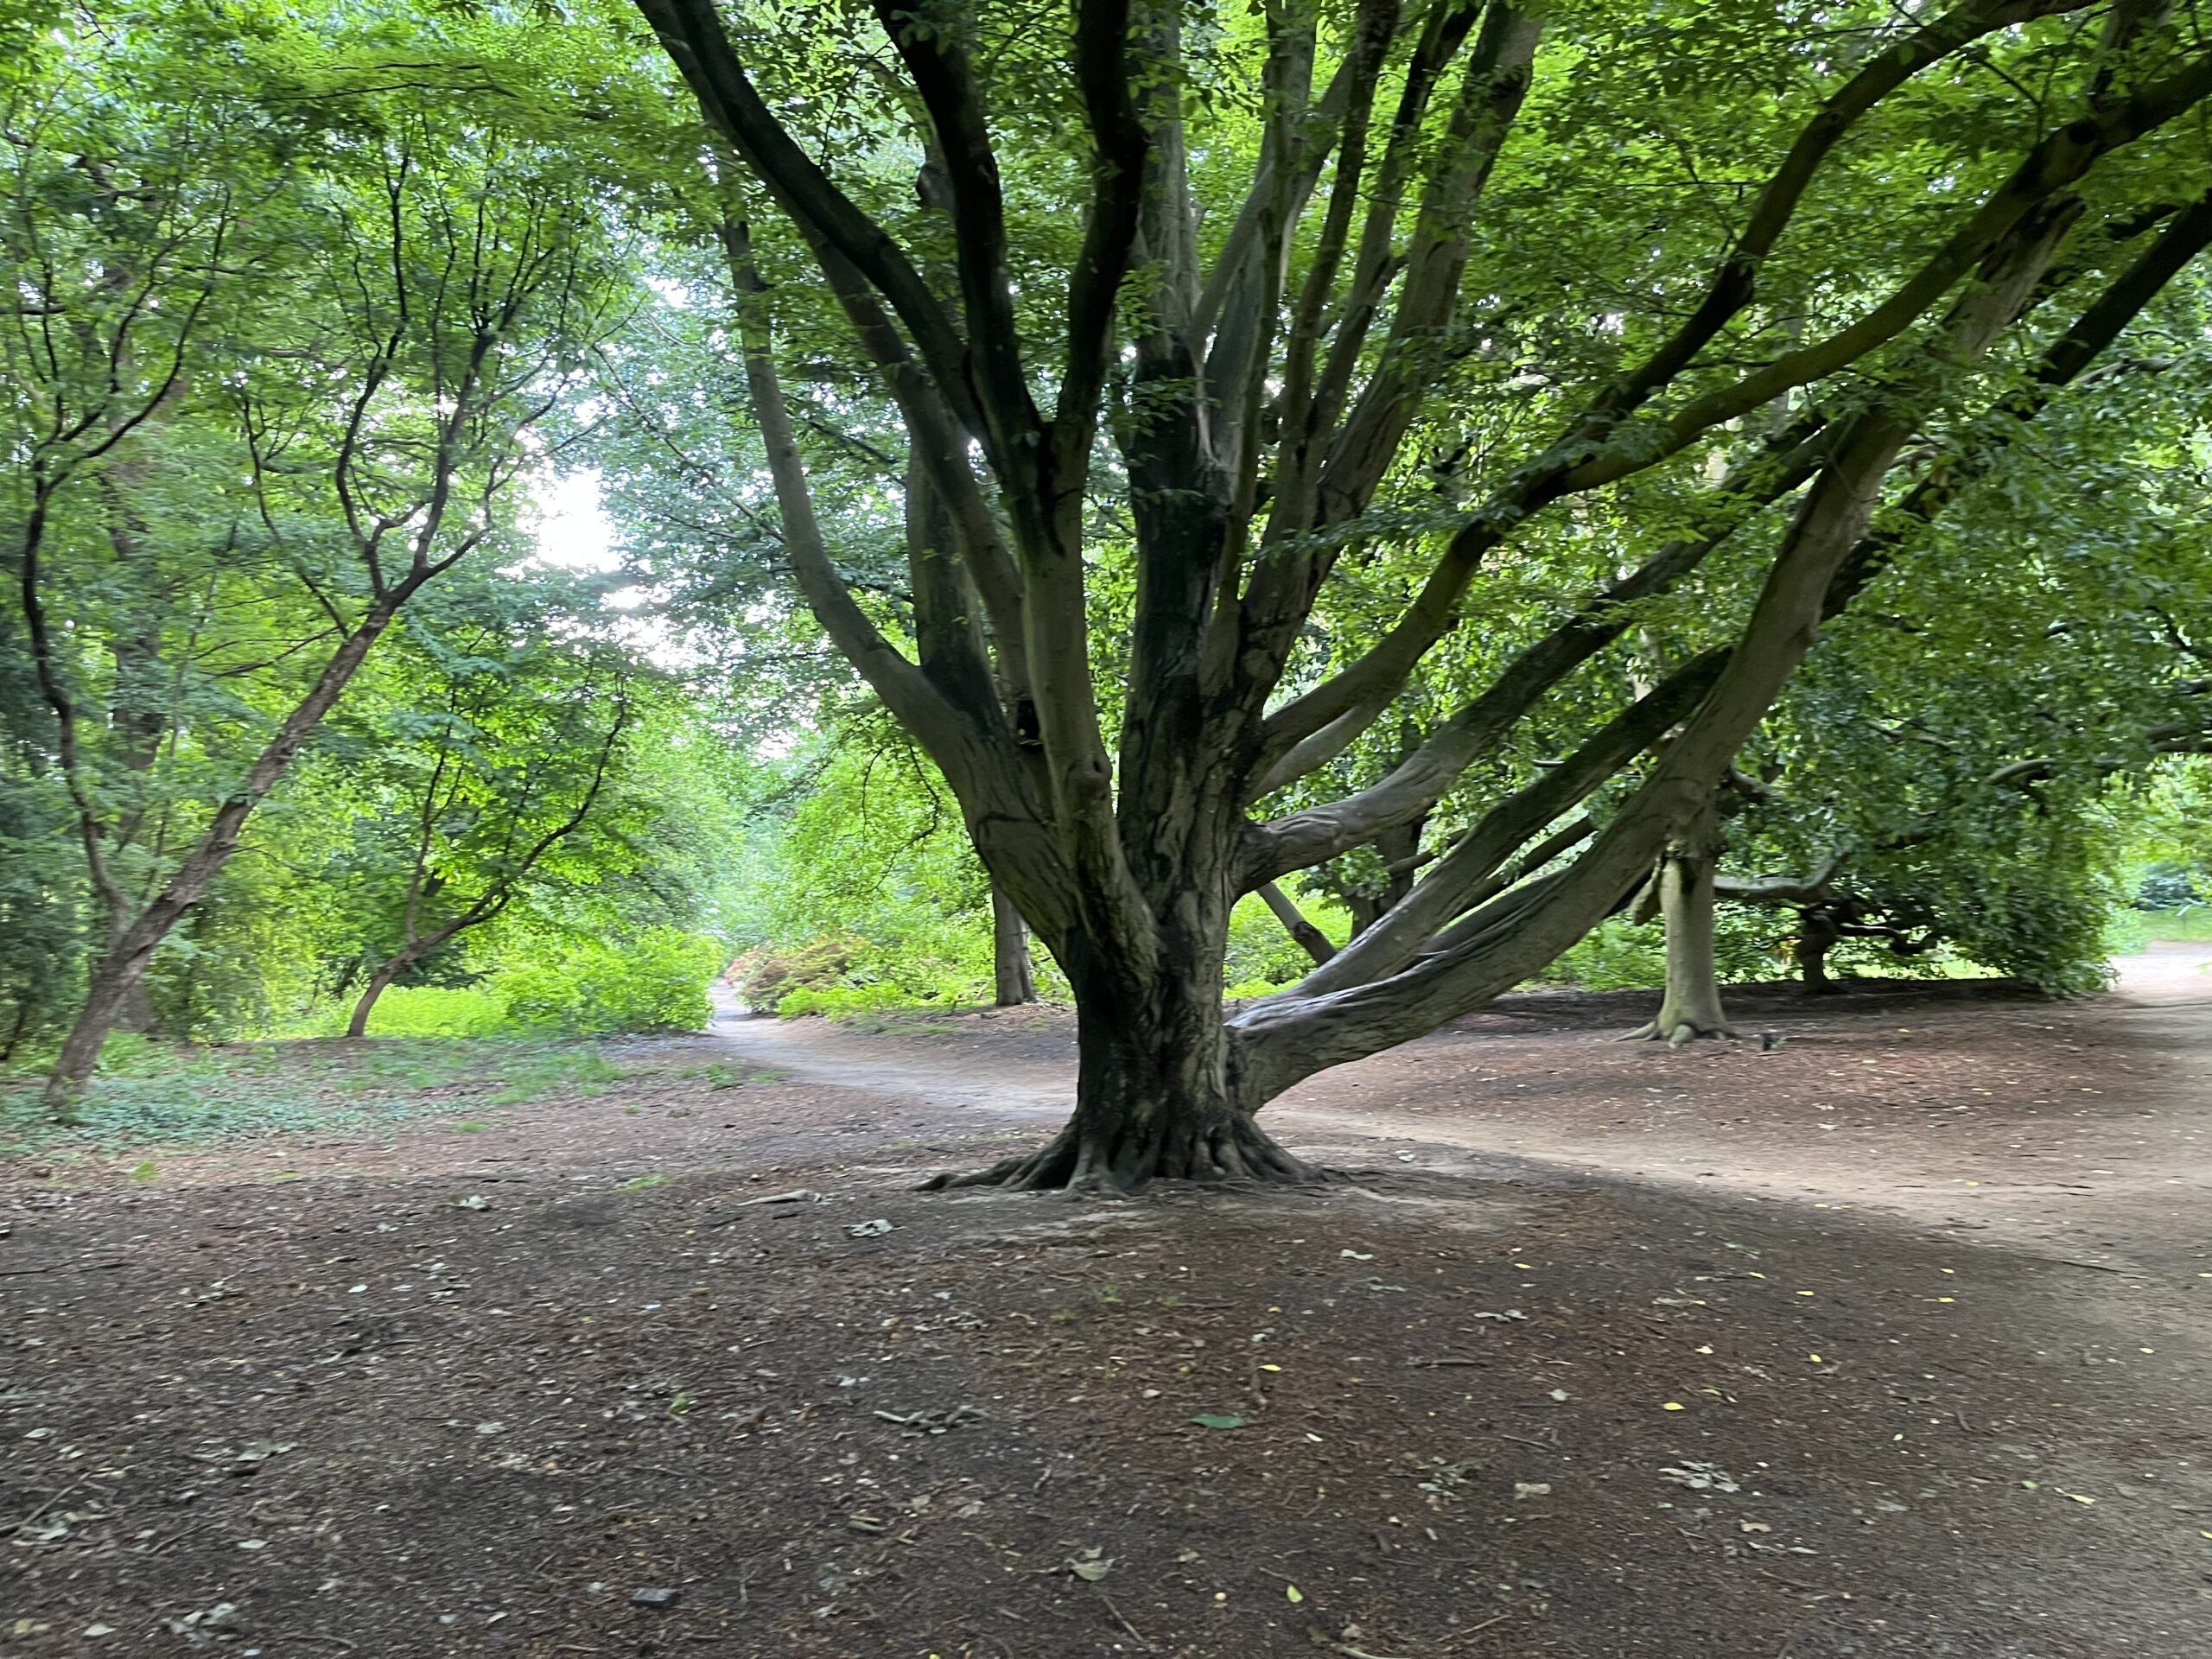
[
  {"x": 2061, "y": 592},
  {"x": 870, "y": 891},
  {"x": 278, "y": 336},
  {"x": 507, "y": 771}
]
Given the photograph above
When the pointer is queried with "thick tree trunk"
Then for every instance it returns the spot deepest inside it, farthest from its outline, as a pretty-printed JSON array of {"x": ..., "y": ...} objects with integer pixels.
[
  {"x": 1690, "y": 1007},
  {"x": 1014, "y": 979},
  {"x": 1156, "y": 1096},
  {"x": 1816, "y": 932}
]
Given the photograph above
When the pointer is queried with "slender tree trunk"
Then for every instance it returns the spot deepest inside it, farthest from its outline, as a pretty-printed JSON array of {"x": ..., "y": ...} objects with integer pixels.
[
  {"x": 1310, "y": 938},
  {"x": 379, "y": 982},
  {"x": 23, "y": 1007},
  {"x": 1013, "y": 976},
  {"x": 1690, "y": 1006},
  {"x": 114, "y": 979},
  {"x": 136, "y": 1012},
  {"x": 125, "y": 963}
]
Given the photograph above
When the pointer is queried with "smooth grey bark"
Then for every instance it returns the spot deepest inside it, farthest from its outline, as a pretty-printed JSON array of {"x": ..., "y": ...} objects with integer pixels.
[
  {"x": 1013, "y": 979},
  {"x": 1689, "y": 1007}
]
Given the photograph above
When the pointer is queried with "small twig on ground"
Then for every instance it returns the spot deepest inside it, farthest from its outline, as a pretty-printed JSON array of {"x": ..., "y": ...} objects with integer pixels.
[
  {"x": 62, "y": 1492},
  {"x": 81, "y": 1266},
  {"x": 1447, "y": 1359},
  {"x": 1135, "y": 1634},
  {"x": 1321, "y": 1638}
]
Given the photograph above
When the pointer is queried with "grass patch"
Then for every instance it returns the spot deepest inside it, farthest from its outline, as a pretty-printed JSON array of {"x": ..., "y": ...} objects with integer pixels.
[
  {"x": 734, "y": 1074},
  {"x": 156, "y": 1095},
  {"x": 2187, "y": 925}
]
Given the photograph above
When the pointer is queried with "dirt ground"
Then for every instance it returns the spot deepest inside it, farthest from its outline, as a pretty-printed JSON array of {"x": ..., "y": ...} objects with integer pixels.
[{"x": 1890, "y": 1338}]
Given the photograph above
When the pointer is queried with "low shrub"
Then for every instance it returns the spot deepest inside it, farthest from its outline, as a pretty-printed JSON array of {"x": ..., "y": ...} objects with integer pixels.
[
  {"x": 434, "y": 1011},
  {"x": 654, "y": 980},
  {"x": 764, "y": 977},
  {"x": 838, "y": 1002}
]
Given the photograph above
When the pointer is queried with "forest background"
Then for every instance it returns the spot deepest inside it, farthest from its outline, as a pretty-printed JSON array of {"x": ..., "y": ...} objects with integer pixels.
[{"x": 317, "y": 346}]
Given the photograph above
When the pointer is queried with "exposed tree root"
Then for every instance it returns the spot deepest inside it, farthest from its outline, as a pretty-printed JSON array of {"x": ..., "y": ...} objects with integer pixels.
[
  {"x": 1676, "y": 1032},
  {"x": 1079, "y": 1160}
]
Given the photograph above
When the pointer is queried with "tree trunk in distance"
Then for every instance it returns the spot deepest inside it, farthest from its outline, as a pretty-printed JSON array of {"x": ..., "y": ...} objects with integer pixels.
[
  {"x": 379, "y": 982},
  {"x": 1311, "y": 939},
  {"x": 122, "y": 968},
  {"x": 1013, "y": 979},
  {"x": 105, "y": 1000},
  {"x": 1690, "y": 1007},
  {"x": 1817, "y": 932}
]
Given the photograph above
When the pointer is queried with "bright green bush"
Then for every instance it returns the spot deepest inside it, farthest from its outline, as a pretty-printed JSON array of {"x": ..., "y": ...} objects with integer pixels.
[
  {"x": 653, "y": 980},
  {"x": 1615, "y": 956},
  {"x": 435, "y": 1011},
  {"x": 837, "y": 1002},
  {"x": 1618, "y": 955},
  {"x": 875, "y": 890}
]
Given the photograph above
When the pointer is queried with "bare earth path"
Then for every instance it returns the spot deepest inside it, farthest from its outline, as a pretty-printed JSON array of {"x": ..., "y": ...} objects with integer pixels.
[{"x": 1890, "y": 1339}]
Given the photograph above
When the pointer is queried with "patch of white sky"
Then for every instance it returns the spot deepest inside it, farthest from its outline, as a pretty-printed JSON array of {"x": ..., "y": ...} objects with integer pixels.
[{"x": 567, "y": 520}]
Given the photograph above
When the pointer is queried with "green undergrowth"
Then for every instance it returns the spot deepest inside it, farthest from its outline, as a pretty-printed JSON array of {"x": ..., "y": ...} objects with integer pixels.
[
  {"x": 150, "y": 1094},
  {"x": 2132, "y": 931}
]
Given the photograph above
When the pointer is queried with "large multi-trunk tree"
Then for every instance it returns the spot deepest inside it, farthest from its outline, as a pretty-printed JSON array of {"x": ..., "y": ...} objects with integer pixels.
[{"x": 1234, "y": 351}]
